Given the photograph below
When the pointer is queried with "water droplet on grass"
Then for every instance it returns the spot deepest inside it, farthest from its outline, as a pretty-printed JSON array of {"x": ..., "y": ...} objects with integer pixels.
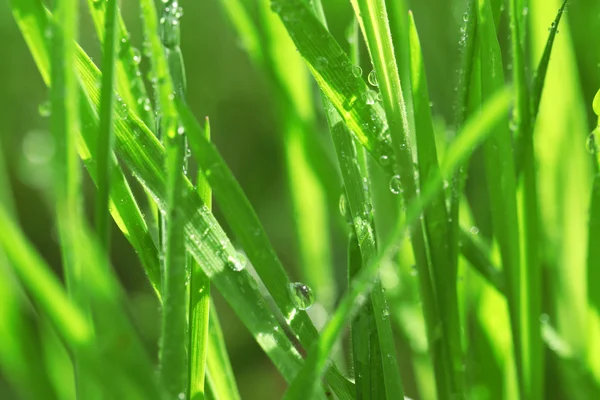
[
  {"x": 395, "y": 186},
  {"x": 237, "y": 262},
  {"x": 373, "y": 78},
  {"x": 590, "y": 143},
  {"x": 137, "y": 55},
  {"x": 322, "y": 63},
  {"x": 356, "y": 70},
  {"x": 45, "y": 109},
  {"x": 474, "y": 230},
  {"x": 302, "y": 295}
]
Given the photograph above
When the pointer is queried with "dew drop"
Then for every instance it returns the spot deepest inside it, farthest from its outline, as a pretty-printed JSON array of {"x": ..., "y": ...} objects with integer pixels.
[
  {"x": 395, "y": 187},
  {"x": 237, "y": 262},
  {"x": 45, "y": 109},
  {"x": 590, "y": 143},
  {"x": 474, "y": 230},
  {"x": 544, "y": 319},
  {"x": 322, "y": 63},
  {"x": 465, "y": 17},
  {"x": 356, "y": 70},
  {"x": 137, "y": 55},
  {"x": 384, "y": 160},
  {"x": 372, "y": 78},
  {"x": 302, "y": 295}
]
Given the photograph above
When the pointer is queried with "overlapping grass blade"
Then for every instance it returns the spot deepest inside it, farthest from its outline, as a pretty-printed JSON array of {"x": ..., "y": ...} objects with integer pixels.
[
  {"x": 436, "y": 216},
  {"x": 475, "y": 130},
  {"x": 33, "y": 22},
  {"x": 105, "y": 134},
  {"x": 167, "y": 72},
  {"x": 243, "y": 221}
]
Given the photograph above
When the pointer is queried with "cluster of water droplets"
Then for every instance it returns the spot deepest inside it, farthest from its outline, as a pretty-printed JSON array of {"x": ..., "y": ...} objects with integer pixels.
[{"x": 169, "y": 23}]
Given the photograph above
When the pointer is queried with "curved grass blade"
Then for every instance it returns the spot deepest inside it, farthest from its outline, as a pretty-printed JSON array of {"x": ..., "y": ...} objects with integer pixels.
[
  {"x": 436, "y": 217},
  {"x": 478, "y": 259},
  {"x": 105, "y": 134},
  {"x": 475, "y": 130}
]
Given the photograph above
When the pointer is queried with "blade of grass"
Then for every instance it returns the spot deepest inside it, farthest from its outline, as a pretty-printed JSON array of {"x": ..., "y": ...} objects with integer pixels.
[
  {"x": 474, "y": 131},
  {"x": 444, "y": 271},
  {"x": 593, "y": 254},
  {"x": 105, "y": 134},
  {"x": 200, "y": 305},
  {"x": 219, "y": 373},
  {"x": 173, "y": 360}
]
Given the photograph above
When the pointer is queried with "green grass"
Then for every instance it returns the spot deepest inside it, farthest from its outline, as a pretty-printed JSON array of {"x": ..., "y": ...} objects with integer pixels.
[{"x": 457, "y": 265}]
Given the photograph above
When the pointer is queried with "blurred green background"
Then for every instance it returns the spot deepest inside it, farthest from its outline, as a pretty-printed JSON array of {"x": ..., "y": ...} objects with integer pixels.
[{"x": 223, "y": 84}]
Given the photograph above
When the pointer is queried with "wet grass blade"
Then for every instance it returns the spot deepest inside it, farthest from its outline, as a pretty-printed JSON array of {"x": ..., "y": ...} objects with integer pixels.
[
  {"x": 105, "y": 134},
  {"x": 168, "y": 75},
  {"x": 475, "y": 130},
  {"x": 200, "y": 305}
]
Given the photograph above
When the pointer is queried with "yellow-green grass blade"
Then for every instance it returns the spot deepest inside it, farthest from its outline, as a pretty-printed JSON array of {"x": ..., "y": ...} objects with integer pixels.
[
  {"x": 475, "y": 130},
  {"x": 167, "y": 72},
  {"x": 219, "y": 373},
  {"x": 33, "y": 21},
  {"x": 105, "y": 131},
  {"x": 564, "y": 179},
  {"x": 199, "y": 306},
  {"x": 593, "y": 253}
]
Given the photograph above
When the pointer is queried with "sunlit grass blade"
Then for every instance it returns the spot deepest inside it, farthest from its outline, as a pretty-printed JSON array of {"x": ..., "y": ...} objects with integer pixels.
[
  {"x": 219, "y": 373},
  {"x": 173, "y": 358},
  {"x": 199, "y": 305},
  {"x": 105, "y": 134},
  {"x": 444, "y": 271},
  {"x": 475, "y": 130},
  {"x": 499, "y": 169},
  {"x": 477, "y": 256}
]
